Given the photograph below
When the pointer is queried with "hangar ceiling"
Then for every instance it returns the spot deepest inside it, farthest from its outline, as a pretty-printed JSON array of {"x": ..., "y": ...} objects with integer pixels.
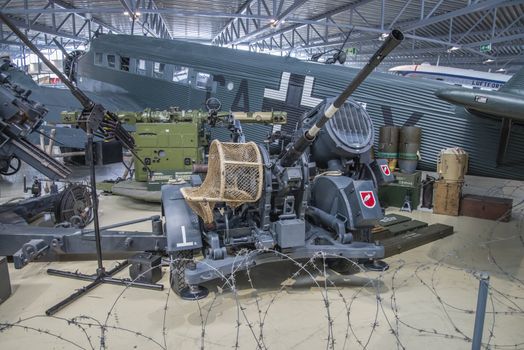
[{"x": 484, "y": 34}]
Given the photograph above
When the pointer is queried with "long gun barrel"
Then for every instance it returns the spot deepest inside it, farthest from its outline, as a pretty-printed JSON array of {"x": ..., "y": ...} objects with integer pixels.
[{"x": 299, "y": 146}]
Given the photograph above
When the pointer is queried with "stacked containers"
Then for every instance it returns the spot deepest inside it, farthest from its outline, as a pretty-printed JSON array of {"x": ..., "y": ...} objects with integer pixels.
[
  {"x": 409, "y": 149},
  {"x": 452, "y": 165},
  {"x": 388, "y": 145}
]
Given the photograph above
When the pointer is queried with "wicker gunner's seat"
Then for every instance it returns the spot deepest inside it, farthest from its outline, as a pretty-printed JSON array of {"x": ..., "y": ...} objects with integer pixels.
[{"x": 235, "y": 176}]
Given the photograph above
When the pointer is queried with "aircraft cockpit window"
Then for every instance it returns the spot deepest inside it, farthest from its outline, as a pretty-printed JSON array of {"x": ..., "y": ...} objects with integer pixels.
[
  {"x": 99, "y": 58},
  {"x": 180, "y": 74},
  {"x": 111, "y": 61},
  {"x": 141, "y": 67},
  {"x": 124, "y": 63},
  {"x": 203, "y": 80},
  {"x": 158, "y": 70}
]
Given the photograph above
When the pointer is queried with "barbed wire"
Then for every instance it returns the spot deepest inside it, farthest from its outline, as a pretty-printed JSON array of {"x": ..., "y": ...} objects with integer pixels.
[{"x": 359, "y": 310}]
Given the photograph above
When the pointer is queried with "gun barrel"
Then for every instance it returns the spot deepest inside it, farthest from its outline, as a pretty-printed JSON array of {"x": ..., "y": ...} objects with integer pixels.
[
  {"x": 300, "y": 145},
  {"x": 392, "y": 41},
  {"x": 38, "y": 159}
]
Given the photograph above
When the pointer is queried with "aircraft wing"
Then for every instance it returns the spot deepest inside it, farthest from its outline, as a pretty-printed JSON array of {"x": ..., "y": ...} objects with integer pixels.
[{"x": 506, "y": 104}]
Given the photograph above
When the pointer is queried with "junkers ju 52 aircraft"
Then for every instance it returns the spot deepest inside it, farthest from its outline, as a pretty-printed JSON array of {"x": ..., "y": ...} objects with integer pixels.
[
  {"x": 159, "y": 73},
  {"x": 137, "y": 72}
]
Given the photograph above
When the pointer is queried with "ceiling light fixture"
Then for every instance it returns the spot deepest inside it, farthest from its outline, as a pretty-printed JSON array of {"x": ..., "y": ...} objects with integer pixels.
[{"x": 383, "y": 36}]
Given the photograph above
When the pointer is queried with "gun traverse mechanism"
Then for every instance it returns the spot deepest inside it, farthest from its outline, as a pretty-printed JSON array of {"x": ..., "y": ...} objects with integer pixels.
[{"x": 317, "y": 196}]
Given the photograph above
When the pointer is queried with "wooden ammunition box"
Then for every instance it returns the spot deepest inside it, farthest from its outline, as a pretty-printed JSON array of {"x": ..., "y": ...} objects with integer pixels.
[
  {"x": 446, "y": 199},
  {"x": 490, "y": 208}
]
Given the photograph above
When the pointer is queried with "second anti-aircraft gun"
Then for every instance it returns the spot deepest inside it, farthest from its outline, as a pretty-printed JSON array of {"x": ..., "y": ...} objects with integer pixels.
[
  {"x": 19, "y": 117},
  {"x": 316, "y": 194}
]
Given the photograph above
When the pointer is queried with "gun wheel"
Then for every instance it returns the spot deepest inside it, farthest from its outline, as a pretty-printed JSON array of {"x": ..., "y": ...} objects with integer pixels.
[
  {"x": 75, "y": 206},
  {"x": 10, "y": 166},
  {"x": 177, "y": 277}
]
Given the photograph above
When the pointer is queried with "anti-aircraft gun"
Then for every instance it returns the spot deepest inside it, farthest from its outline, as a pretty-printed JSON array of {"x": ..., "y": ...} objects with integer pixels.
[
  {"x": 318, "y": 196},
  {"x": 19, "y": 117}
]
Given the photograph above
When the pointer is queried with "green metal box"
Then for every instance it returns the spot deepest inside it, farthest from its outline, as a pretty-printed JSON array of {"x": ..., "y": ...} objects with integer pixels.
[
  {"x": 182, "y": 134},
  {"x": 394, "y": 195},
  {"x": 167, "y": 147},
  {"x": 408, "y": 180}
]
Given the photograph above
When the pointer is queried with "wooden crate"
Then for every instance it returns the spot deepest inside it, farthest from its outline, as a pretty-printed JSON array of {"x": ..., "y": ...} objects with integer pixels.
[
  {"x": 446, "y": 199},
  {"x": 490, "y": 208}
]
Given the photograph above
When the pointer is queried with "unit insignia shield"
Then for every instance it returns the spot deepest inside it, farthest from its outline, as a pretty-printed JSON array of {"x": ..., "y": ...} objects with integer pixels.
[{"x": 368, "y": 199}]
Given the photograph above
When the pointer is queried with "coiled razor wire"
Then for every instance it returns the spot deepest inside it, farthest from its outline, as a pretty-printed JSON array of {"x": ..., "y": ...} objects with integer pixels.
[{"x": 340, "y": 325}]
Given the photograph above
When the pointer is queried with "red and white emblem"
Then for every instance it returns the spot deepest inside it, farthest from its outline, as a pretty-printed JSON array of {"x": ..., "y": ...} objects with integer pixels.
[
  {"x": 368, "y": 199},
  {"x": 385, "y": 169}
]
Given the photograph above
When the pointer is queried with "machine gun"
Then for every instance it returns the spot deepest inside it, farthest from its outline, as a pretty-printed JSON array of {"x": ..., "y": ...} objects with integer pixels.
[
  {"x": 94, "y": 119},
  {"x": 20, "y": 116},
  {"x": 317, "y": 196}
]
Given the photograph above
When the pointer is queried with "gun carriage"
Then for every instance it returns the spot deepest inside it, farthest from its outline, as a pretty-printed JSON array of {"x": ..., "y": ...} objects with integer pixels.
[{"x": 318, "y": 195}]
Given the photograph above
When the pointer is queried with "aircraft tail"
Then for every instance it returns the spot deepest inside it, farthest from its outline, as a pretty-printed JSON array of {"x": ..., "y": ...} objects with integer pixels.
[{"x": 515, "y": 85}]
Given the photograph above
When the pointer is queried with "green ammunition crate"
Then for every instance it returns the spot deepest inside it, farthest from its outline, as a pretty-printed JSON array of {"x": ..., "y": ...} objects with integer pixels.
[
  {"x": 408, "y": 180},
  {"x": 394, "y": 195}
]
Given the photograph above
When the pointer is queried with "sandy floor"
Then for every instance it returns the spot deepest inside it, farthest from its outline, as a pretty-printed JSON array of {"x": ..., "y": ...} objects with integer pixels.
[{"x": 426, "y": 300}]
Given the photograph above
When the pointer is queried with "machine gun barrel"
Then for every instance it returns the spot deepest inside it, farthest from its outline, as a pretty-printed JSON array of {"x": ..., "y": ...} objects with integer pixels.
[
  {"x": 80, "y": 96},
  {"x": 300, "y": 145}
]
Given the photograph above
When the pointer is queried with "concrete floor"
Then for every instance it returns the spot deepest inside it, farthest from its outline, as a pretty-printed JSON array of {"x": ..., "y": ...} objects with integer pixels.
[{"x": 425, "y": 300}]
